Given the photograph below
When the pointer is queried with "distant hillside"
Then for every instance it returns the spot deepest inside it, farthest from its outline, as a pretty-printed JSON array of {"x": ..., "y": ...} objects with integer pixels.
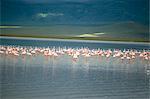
[
  {"x": 120, "y": 30},
  {"x": 124, "y": 27},
  {"x": 123, "y": 30}
]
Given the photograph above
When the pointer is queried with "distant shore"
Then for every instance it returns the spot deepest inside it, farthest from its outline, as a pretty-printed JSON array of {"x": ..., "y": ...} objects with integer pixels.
[
  {"x": 74, "y": 40},
  {"x": 100, "y": 38}
]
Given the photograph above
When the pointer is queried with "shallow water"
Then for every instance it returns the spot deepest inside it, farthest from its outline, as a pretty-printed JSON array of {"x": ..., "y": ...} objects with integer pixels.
[
  {"x": 72, "y": 43},
  {"x": 40, "y": 77}
]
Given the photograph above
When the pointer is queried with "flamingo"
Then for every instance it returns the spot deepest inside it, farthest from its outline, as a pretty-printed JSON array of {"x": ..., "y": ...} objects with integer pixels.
[
  {"x": 122, "y": 58},
  {"x": 24, "y": 52},
  {"x": 108, "y": 55},
  {"x": 87, "y": 55},
  {"x": 28, "y": 53},
  {"x": 1, "y": 52},
  {"x": 128, "y": 57},
  {"x": 75, "y": 56}
]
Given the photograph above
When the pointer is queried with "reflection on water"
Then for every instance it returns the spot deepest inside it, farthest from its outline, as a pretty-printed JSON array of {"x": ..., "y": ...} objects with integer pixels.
[
  {"x": 40, "y": 77},
  {"x": 96, "y": 77}
]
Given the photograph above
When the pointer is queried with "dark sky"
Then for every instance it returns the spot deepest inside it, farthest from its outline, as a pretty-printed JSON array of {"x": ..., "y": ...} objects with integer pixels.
[{"x": 48, "y": 12}]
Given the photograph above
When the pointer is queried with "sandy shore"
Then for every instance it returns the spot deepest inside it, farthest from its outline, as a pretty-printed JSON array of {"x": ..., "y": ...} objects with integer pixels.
[{"x": 72, "y": 40}]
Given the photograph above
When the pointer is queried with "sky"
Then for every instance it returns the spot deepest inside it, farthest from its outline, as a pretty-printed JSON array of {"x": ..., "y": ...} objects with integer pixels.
[{"x": 49, "y": 12}]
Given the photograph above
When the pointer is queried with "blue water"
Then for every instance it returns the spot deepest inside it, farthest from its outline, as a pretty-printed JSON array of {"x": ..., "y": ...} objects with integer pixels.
[
  {"x": 40, "y": 77},
  {"x": 72, "y": 44}
]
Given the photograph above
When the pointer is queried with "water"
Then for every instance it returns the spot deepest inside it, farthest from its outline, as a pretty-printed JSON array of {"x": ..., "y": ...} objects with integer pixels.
[
  {"x": 40, "y": 77},
  {"x": 72, "y": 44}
]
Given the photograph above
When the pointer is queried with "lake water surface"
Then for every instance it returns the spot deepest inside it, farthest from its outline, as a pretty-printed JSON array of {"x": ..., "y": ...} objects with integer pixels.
[{"x": 40, "y": 77}]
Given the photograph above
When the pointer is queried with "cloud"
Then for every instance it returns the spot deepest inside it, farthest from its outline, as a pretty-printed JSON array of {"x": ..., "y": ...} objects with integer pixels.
[
  {"x": 44, "y": 15},
  {"x": 55, "y": 14},
  {"x": 101, "y": 33}
]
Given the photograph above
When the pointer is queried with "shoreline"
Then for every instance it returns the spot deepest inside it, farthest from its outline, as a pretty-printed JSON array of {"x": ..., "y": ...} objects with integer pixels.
[{"x": 74, "y": 40}]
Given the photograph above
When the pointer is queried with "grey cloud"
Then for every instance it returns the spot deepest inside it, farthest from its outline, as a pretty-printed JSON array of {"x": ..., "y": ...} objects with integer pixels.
[{"x": 44, "y": 15}]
